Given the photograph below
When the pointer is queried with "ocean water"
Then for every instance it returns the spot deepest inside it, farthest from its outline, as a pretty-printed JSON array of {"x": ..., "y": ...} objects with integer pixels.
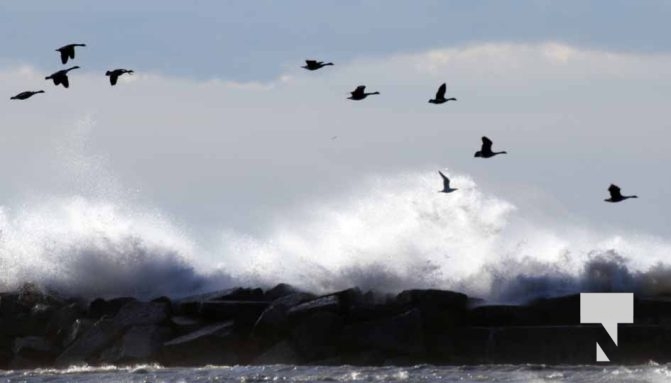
[{"x": 287, "y": 373}]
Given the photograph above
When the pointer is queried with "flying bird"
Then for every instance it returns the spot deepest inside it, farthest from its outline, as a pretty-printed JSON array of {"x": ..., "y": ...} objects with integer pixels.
[
  {"x": 26, "y": 95},
  {"x": 486, "y": 151},
  {"x": 61, "y": 77},
  {"x": 360, "y": 93},
  {"x": 114, "y": 74},
  {"x": 314, "y": 64},
  {"x": 616, "y": 195},
  {"x": 68, "y": 51},
  {"x": 446, "y": 184},
  {"x": 440, "y": 96}
]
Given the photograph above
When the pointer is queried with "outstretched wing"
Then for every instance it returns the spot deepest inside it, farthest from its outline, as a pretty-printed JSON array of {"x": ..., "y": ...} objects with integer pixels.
[
  {"x": 359, "y": 90},
  {"x": 113, "y": 78},
  {"x": 71, "y": 51},
  {"x": 65, "y": 81},
  {"x": 614, "y": 191},
  {"x": 446, "y": 181},
  {"x": 64, "y": 56},
  {"x": 486, "y": 144},
  {"x": 441, "y": 92},
  {"x": 311, "y": 62}
]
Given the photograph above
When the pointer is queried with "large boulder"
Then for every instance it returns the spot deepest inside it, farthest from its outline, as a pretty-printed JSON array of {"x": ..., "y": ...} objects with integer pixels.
[
  {"x": 504, "y": 315},
  {"x": 400, "y": 334},
  {"x": 280, "y": 291},
  {"x": 212, "y": 344},
  {"x": 100, "y": 336},
  {"x": 138, "y": 344},
  {"x": 107, "y": 330},
  {"x": 76, "y": 329},
  {"x": 317, "y": 335},
  {"x": 109, "y": 308},
  {"x": 244, "y": 313},
  {"x": 191, "y": 305},
  {"x": 340, "y": 302},
  {"x": 136, "y": 313},
  {"x": 558, "y": 311},
  {"x": 273, "y": 324},
  {"x": 33, "y": 351},
  {"x": 62, "y": 320},
  {"x": 439, "y": 309}
]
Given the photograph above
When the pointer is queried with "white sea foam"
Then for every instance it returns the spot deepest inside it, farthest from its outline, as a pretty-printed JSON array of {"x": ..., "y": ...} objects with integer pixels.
[{"x": 392, "y": 233}]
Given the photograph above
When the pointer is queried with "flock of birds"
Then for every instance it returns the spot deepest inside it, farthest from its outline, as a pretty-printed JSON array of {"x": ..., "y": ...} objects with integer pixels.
[
  {"x": 60, "y": 77},
  {"x": 67, "y": 52},
  {"x": 486, "y": 149}
]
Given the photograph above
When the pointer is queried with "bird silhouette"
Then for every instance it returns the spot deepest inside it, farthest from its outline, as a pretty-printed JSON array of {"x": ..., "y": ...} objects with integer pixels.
[
  {"x": 616, "y": 195},
  {"x": 486, "y": 151},
  {"x": 360, "y": 93},
  {"x": 68, "y": 51},
  {"x": 440, "y": 96},
  {"x": 61, "y": 77},
  {"x": 314, "y": 64},
  {"x": 446, "y": 184},
  {"x": 26, "y": 95},
  {"x": 114, "y": 74}
]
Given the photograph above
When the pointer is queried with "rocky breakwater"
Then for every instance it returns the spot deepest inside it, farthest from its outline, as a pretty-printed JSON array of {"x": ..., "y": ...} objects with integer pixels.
[{"x": 285, "y": 325}]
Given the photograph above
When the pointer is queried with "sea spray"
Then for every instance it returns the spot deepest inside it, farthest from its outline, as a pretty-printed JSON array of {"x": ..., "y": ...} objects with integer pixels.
[{"x": 390, "y": 234}]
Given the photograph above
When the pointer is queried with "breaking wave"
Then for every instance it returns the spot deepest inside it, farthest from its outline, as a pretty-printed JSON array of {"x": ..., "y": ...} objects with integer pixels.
[{"x": 393, "y": 233}]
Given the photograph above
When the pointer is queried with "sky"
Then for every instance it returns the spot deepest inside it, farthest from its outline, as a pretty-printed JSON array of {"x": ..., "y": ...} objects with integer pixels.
[{"x": 220, "y": 130}]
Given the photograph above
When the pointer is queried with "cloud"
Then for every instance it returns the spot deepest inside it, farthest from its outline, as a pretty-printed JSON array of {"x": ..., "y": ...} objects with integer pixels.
[{"x": 219, "y": 153}]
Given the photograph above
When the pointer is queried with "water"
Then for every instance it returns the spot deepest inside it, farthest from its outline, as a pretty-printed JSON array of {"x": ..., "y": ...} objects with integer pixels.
[
  {"x": 390, "y": 233},
  {"x": 286, "y": 373}
]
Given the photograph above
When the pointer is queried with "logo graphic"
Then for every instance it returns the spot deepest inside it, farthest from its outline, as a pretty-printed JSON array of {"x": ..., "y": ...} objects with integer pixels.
[{"x": 609, "y": 309}]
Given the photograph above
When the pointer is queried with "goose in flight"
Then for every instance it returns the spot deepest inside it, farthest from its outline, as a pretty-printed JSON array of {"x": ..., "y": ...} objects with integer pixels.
[
  {"x": 61, "y": 77},
  {"x": 26, "y": 95},
  {"x": 616, "y": 195},
  {"x": 440, "y": 96},
  {"x": 446, "y": 184},
  {"x": 360, "y": 93},
  {"x": 114, "y": 74},
  {"x": 314, "y": 64},
  {"x": 68, "y": 51},
  {"x": 486, "y": 151}
]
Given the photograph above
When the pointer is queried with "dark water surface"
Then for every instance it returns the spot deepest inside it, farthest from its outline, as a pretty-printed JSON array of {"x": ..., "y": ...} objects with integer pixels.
[{"x": 287, "y": 373}]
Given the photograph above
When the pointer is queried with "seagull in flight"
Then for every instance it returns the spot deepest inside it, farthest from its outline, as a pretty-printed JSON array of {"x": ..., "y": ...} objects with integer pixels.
[{"x": 446, "y": 184}]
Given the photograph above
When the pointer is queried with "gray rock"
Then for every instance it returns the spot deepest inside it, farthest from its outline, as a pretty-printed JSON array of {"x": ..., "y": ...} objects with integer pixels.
[
  {"x": 401, "y": 334},
  {"x": 136, "y": 313},
  {"x": 213, "y": 344},
  {"x": 273, "y": 323},
  {"x": 340, "y": 302},
  {"x": 185, "y": 324},
  {"x": 317, "y": 336},
  {"x": 35, "y": 349},
  {"x": 279, "y": 291},
  {"x": 76, "y": 329},
  {"x": 245, "y": 313},
  {"x": 62, "y": 320},
  {"x": 138, "y": 344},
  {"x": 100, "y": 336},
  {"x": 109, "y": 308}
]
